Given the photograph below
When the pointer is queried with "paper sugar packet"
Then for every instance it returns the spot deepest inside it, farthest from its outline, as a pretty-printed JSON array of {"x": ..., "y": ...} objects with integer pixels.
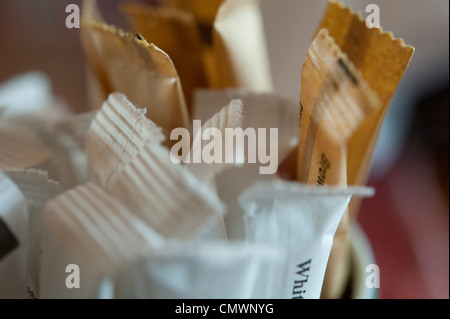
[
  {"x": 37, "y": 190},
  {"x": 303, "y": 220},
  {"x": 190, "y": 270},
  {"x": 166, "y": 195},
  {"x": 267, "y": 118},
  {"x": 381, "y": 61},
  {"x": 13, "y": 240},
  {"x": 89, "y": 234},
  {"x": 117, "y": 133},
  {"x": 177, "y": 33},
  {"x": 127, "y": 63},
  {"x": 240, "y": 50}
]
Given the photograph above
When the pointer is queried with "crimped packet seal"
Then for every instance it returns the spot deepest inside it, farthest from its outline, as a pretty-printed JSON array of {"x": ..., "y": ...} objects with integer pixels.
[
  {"x": 117, "y": 133},
  {"x": 382, "y": 60}
]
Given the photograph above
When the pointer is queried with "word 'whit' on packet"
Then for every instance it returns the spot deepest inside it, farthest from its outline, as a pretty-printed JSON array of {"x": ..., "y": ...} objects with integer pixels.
[{"x": 303, "y": 219}]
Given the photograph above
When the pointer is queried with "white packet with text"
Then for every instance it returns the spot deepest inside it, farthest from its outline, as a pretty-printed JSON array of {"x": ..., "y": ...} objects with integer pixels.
[{"x": 303, "y": 220}]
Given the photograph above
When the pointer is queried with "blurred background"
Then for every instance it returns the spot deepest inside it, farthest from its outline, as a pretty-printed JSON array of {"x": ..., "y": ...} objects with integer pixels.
[{"x": 407, "y": 220}]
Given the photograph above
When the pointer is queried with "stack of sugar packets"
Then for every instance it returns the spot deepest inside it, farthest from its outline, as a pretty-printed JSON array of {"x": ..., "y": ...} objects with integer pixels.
[{"x": 190, "y": 177}]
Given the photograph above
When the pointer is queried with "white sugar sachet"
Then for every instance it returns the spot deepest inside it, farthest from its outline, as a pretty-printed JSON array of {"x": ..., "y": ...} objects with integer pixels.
[
  {"x": 209, "y": 143},
  {"x": 303, "y": 219},
  {"x": 68, "y": 149},
  {"x": 116, "y": 134},
  {"x": 20, "y": 148},
  {"x": 25, "y": 93},
  {"x": 37, "y": 190},
  {"x": 197, "y": 270},
  {"x": 87, "y": 229},
  {"x": 210, "y": 155},
  {"x": 13, "y": 240},
  {"x": 166, "y": 195},
  {"x": 261, "y": 111}
]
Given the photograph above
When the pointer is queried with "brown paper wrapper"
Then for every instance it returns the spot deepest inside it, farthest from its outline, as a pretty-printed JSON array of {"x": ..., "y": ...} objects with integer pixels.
[
  {"x": 176, "y": 33},
  {"x": 141, "y": 71},
  {"x": 335, "y": 101},
  {"x": 382, "y": 61}
]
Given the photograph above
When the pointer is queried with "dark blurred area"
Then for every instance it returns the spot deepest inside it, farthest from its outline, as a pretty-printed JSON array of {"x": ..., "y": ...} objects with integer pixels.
[{"x": 407, "y": 221}]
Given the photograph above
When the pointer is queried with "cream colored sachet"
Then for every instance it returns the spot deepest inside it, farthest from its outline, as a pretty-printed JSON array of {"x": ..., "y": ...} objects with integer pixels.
[
  {"x": 204, "y": 11},
  {"x": 167, "y": 196},
  {"x": 176, "y": 33},
  {"x": 86, "y": 231},
  {"x": 117, "y": 133},
  {"x": 263, "y": 113},
  {"x": 143, "y": 72},
  {"x": 240, "y": 49},
  {"x": 382, "y": 60},
  {"x": 211, "y": 139},
  {"x": 335, "y": 101},
  {"x": 20, "y": 148},
  {"x": 98, "y": 86}
]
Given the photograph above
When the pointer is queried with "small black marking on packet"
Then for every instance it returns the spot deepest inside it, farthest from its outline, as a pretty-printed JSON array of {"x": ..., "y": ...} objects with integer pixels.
[
  {"x": 139, "y": 37},
  {"x": 347, "y": 71},
  {"x": 301, "y": 110},
  {"x": 7, "y": 240}
]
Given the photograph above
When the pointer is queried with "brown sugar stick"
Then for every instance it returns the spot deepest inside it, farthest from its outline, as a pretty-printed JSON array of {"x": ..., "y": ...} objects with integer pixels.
[
  {"x": 382, "y": 61},
  {"x": 335, "y": 100}
]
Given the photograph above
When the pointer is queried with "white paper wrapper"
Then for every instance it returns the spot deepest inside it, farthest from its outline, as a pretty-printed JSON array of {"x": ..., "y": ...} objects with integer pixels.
[
  {"x": 165, "y": 195},
  {"x": 37, "y": 190},
  {"x": 197, "y": 271},
  {"x": 261, "y": 110},
  {"x": 13, "y": 240},
  {"x": 88, "y": 228},
  {"x": 117, "y": 133},
  {"x": 303, "y": 219}
]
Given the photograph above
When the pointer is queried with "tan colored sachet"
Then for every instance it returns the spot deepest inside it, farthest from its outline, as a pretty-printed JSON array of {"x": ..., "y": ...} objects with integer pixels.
[
  {"x": 335, "y": 101},
  {"x": 240, "y": 49},
  {"x": 176, "y": 33},
  {"x": 382, "y": 61},
  {"x": 128, "y": 64},
  {"x": 144, "y": 73},
  {"x": 97, "y": 80},
  {"x": 204, "y": 11}
]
